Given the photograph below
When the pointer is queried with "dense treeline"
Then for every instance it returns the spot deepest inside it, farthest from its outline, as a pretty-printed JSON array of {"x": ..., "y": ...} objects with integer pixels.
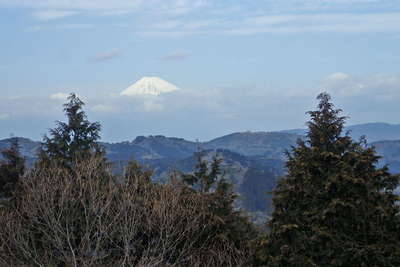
[{"x": 334, "y": 207}]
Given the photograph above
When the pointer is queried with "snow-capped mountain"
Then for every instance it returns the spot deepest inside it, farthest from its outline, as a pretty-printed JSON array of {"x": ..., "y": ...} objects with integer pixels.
[{"x": 149, "y": 86}]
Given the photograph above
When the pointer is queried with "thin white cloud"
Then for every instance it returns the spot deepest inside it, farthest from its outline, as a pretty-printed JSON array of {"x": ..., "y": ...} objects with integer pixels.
[
  {"x": 107, "y": 6},
  {"x": 175, "y": 56},
  {"x": 102, "y": 108},
  {"x": 105, "y": 56},
  {"x": 4, "y": 116},
  {"x": 253, "y": 24},
  {"x": 71, "y": 4},
  {"x": 180, "y": 18},
  {"x": 179, "y": 5},
  {"x": 152, "y": 106},
  {"x": 167, "y": 24},
  {"x": 74, "y": 26},
  {"x": 202, "y": 24},
  {"x": 115, "y": 12},
  {"x": 338, "y": 76},
  {"x": 59, "y": 96},
  {"x": 383, "y": 86},
  {"x": 47, "y": 15},
  {"x": 320, "y": 23},
  {"x": 67, "y": 26}
]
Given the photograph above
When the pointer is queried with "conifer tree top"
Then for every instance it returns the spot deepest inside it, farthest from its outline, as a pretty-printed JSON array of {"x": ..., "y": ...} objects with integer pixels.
[
  {"x": 334, "y": 207},
  {"x": 326, "y": 124},
  {"x": 77, "y": 137}
]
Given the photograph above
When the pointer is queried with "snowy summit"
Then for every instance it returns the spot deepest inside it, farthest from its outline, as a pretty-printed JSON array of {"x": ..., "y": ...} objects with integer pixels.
[{"x": 149, "y": 86}]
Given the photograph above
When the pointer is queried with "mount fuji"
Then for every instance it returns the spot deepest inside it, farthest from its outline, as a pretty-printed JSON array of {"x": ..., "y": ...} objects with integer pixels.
[{"x": 149, "y": 86}]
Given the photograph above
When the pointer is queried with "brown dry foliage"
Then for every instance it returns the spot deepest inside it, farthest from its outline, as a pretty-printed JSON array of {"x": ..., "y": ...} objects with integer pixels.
[{"x": 85, "y": 218}]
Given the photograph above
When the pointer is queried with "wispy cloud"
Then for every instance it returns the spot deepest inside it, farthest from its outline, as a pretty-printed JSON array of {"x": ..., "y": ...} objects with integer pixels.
[
  {"x": 104, "y": 6},
  {"x": 177, "y": 18},
  {"x": 343, "y": 22},
  {"x": 152, "y": 106},
  {"x": 255, "y": 24},
  {"x": 66, "y": 4},
  {"x": 46, "y": 15},
  {"x": 179, "y": 5},
  {"x": 102, "y": 108},
  {"x": 4, "y": 116},
  {"x": 59, "y": 96},
  {"x": 74, "y": 26},
  {"x": 67, "y": 26},
  {"x": 175, "y": 56},
  {"x": 382, "y": 86},
  {"x": 105, "y": 56}
]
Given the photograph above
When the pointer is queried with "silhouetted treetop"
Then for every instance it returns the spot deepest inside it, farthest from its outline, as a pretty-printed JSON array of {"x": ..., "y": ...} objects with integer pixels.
[{"x": 75, "y": 139}]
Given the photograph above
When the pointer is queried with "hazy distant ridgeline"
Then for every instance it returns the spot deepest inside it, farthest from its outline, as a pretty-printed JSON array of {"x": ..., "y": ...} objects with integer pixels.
[
  {"x": 253, "y": 161},
  {"x": 374, "y": 132},
  {"x": 266, "y": 144}
]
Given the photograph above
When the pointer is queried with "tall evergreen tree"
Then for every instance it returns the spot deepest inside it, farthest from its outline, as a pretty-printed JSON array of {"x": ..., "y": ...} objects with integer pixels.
[
  {"x": 12, "y": 168},
  {"x": 204, "y": 177},
  {"x": 334, "y": 207},
  {"x": 73, "y": 140},
  {"x": 208, "y": 182}
]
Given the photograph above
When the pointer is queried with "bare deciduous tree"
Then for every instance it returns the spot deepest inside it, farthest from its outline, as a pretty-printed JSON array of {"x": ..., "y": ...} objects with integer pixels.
[{"x": 86, "y": 218}]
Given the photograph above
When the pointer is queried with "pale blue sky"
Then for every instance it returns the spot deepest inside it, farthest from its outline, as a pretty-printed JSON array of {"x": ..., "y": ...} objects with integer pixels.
[{"x": 241, "y": 64}]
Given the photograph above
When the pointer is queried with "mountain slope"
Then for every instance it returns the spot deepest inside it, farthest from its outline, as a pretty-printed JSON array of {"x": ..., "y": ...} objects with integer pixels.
[
  {"x": 252, "y": 161},
  {"x": 252, "y": 177},
  {"x": 390, "y": 152},
  {"x": 374, "y": 132},
  {"x": 150, "y": 148},
  {"x": 270, "y": 144},
  {"x": 28, "y": 147}
]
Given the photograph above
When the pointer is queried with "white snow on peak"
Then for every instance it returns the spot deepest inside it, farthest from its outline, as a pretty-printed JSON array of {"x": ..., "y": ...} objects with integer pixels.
[{"x": 149, "y": 86}]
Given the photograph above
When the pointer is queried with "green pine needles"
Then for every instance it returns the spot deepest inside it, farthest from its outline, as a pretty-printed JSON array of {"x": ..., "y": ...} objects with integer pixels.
[
  {"x": 12, "y": 169},
  {"x": 76, "y": 139},
  {"x": 334, "y": 207}
]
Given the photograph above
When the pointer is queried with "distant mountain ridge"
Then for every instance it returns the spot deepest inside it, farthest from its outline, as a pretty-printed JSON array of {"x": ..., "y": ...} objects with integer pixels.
[
  {"x": 375, "y": 131},
  {"x": 270, "y": 144},
  {"x": 253, "y": 161},
  {"x": 266, "y": 144},
  {"x": 390, "y": 152}
]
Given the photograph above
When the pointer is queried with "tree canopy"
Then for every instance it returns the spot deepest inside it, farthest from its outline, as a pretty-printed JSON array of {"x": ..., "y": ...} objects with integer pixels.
[
  {"x": 334, "y": 207},
  {"x": 12, "y": 168},
  {"x": 208, "y": 182},
  {"x": 72, "y": 140}
]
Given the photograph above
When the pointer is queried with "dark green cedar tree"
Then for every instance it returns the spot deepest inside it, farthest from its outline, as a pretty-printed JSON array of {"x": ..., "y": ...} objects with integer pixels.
[
  {"x": 12, "y": 168},
  {"x": 334, "y": 207},
  {"x": 76, "y": 139},
  {"x": 204, "y": 177},
  {"x": 207, "y": 180}
]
